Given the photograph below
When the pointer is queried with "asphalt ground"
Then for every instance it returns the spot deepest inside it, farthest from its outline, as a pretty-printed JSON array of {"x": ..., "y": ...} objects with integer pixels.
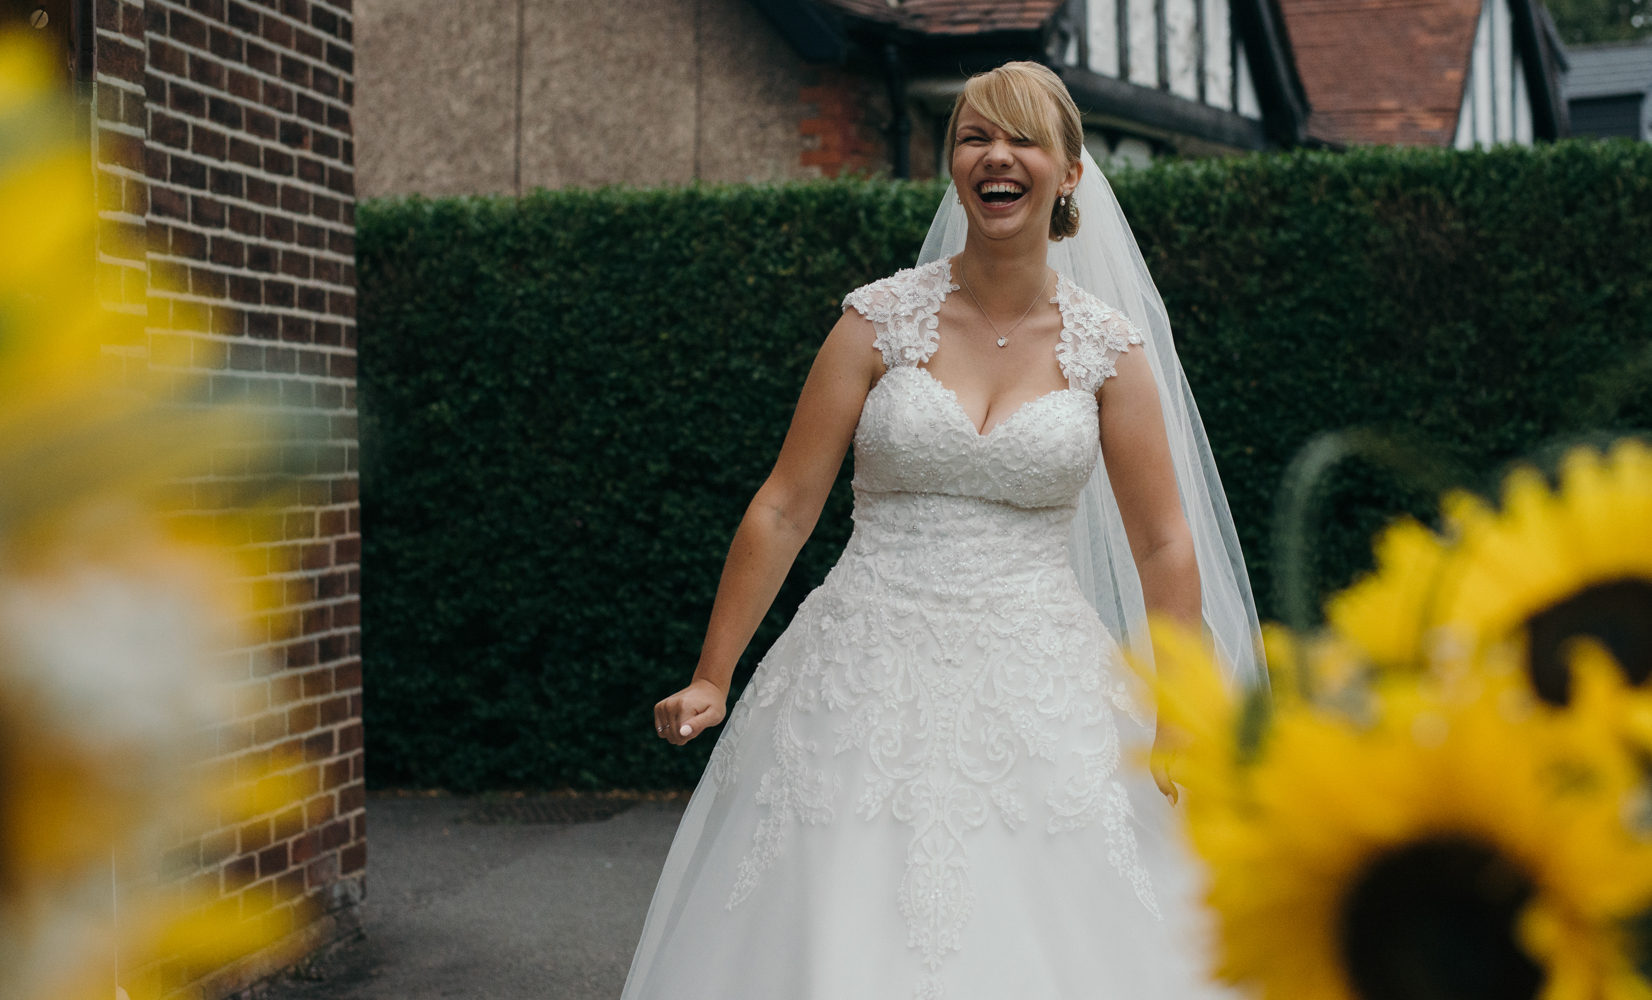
[{"x": 503, "y": 910}]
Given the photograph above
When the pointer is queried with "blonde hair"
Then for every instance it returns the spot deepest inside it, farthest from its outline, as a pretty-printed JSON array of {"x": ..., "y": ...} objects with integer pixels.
[{"x": 1028, "y": 101}]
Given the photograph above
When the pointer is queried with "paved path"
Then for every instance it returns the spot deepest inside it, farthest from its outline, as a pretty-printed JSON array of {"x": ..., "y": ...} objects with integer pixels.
[{"x": 457, "y": 909}]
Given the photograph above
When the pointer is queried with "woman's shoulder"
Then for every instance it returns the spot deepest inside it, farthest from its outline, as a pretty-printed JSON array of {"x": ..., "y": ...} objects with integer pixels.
[
  {"x": 1093, "y": 335},
  {"x": 902, "y": 310},
  {"x": 907, "y": 293},
  {"x": 1088, "y": 317}
]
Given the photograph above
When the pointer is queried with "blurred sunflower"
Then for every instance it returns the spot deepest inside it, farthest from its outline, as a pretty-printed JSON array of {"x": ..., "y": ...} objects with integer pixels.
[
  {"x": 1385, "y": 614},
  {"x": 111, "y": 621},
  {"x": 1450, "y": 840},
  {"x": 1549, "y": 567},
  {"x": 1555, "y": 565}
]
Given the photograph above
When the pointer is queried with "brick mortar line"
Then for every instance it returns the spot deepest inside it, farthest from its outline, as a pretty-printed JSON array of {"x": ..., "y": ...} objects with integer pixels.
[
  {"x": 261, "y": 144},
  {"x": 327, "y": 224},
  {"x": 229, "y": 200},
  {"x": 344, "y": 507},
  {"x": 296, "y": 703},
  {"x": 321, "y": 252},
  {"x": 248, "y": 68},
  {"x": 284, "y": 707},
  {"x": 287, "y": 576},
  {"x": 277, "y": 310},
  {"x": 262, "y": 11},
  {"x": 119, "y": 127},
  {"x": 268, "y": 746},
  {"x": 334, "y": 727},
  {"x": 329, "y": 349},
  {"x": 288, "y": 376},
  {"x": 115, "y": 169},
  {"x": 271, "y": 646},
  {"x": 344, "y": 13}
]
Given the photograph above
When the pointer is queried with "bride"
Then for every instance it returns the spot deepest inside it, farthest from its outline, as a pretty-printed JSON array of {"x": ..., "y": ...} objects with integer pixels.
[{"x": 930, "y": 787}]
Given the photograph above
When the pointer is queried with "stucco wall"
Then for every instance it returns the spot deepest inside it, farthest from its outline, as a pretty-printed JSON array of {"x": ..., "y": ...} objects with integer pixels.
[{"x": 623, "y": 91}]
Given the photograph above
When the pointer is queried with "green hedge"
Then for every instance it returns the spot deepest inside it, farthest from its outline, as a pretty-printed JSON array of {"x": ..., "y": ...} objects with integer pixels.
[{"x": 569, "y": 398}]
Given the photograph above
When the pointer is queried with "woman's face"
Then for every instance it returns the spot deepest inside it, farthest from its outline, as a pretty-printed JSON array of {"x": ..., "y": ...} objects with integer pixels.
[{"x": 1008, "y": 184}]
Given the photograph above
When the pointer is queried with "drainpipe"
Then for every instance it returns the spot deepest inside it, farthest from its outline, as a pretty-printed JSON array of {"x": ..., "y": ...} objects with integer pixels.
[{"x": 900, "y": 125}]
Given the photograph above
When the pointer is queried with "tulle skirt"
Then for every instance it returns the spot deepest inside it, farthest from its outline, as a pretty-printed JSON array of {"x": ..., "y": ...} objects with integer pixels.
[{"x": 917, "y": 799}]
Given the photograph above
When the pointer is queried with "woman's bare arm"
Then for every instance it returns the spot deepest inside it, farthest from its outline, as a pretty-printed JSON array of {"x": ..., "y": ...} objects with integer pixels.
[
  {"x": 1137, "y": 453},
  {"x": 778, "y": 521}
]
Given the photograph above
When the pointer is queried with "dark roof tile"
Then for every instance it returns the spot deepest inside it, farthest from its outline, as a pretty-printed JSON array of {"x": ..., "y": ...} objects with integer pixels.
[{"x": 953, "y": 17}]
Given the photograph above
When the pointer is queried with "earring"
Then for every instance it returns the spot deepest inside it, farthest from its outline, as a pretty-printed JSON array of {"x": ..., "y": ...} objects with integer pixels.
[{"x": 1072, "y": 207}]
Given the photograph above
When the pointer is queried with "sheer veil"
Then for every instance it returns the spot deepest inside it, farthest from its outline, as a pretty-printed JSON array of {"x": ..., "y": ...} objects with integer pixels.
[{"x": 1104, "y": 260}]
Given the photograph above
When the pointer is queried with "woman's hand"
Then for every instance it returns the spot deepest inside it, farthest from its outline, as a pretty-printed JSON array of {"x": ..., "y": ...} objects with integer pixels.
[
  {"x": 1165, "y": 746},
  {"x": 690, "y": 712},
  {"x": 1160, "y": 766}
]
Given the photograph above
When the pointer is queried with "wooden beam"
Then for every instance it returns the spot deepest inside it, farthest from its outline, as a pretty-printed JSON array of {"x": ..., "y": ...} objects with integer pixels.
[{"x": 1161, "y": 111}]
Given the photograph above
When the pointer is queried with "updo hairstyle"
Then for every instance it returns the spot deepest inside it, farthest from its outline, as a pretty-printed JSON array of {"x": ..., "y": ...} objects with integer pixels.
[{"x": 1028, "y": 101}]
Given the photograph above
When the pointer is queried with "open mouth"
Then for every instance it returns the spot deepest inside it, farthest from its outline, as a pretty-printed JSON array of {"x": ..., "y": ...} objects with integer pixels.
[{"x": 1000, "y": 193}]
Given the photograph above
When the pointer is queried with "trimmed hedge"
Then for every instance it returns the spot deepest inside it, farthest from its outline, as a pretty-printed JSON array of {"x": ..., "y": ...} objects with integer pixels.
[{"x": 568, "y": 400}]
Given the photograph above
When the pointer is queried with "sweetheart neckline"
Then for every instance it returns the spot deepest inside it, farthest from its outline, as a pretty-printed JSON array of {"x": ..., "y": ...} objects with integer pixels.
[{"x": 958, "y": 406}]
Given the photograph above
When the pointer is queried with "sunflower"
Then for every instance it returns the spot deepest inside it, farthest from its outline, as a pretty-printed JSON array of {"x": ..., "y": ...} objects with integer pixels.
[
  {"x": 1554, "y": 566},
  {"x": 1385, "y": 613},
  {"x": 1547, "y": 568},
  {"x": 112, "y": 627},
  {"x": 1451, "y": 839}
]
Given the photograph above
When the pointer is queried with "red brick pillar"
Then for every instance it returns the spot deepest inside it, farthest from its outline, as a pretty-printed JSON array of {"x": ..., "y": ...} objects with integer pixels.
[{"x": 225, "y": 184}]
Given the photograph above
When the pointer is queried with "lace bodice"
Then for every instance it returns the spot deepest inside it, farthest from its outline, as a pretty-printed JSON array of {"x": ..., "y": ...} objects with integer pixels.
[{"x": 914, "y": 436}]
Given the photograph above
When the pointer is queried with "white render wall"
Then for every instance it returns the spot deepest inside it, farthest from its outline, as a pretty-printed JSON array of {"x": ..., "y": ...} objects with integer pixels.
[
  {"x": 1496, "y": 107},
  {"x": 1123, "y": 38}
]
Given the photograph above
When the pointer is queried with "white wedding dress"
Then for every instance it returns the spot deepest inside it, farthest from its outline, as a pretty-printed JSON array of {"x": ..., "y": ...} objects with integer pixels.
[{"x": 932, "y": 785}]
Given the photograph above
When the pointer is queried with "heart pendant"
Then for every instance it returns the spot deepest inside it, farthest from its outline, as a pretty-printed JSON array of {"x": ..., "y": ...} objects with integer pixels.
[{"x": 1002, "y": 341}]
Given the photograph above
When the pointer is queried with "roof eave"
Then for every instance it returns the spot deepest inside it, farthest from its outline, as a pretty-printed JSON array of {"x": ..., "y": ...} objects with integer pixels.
[
  {"x": 815, "y": 34},
  {"x": 1113, "y": 98}
]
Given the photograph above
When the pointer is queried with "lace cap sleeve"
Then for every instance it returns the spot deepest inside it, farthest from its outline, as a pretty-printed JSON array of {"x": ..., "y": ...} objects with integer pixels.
[
  {"x": 1093, "y": 335},
  {"x": 902, "y": 309}
]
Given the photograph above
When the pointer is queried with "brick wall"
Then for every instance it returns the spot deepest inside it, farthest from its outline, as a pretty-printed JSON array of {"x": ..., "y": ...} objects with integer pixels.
[
  {"x": 225, "y": 180},
  {"x": 840, "y": 135}
]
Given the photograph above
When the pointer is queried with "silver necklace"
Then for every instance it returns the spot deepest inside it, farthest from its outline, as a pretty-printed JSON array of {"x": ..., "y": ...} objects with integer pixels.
[{"x": 1004, "y": 337}]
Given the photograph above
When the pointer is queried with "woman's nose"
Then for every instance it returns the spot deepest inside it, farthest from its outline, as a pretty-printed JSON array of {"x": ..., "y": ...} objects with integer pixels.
[{"x": 999, "y": 152}]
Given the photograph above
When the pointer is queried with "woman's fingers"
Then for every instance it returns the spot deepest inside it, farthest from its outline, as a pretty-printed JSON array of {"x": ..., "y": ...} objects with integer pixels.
[
  {"x": 702, "y": 720},
  {"x": 686, "y": 715},
  {"x": 1161, "y": 777}
]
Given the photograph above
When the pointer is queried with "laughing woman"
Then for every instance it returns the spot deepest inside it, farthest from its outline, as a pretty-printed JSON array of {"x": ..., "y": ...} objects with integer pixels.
[{"x": 930, "y": 787}]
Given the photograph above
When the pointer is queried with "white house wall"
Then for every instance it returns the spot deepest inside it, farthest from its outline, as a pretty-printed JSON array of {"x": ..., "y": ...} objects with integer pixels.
[
  {"x": 1198, "y": 36},
  {"x": 1218, "y": 55},
  {"x": 1249, "y": 106},
  {"x": 1101, "y": 20},
  {"x": 1496, "y": 107},
  {"x": 1144, "y": 41},
  {"x": 1182, "y": 46}
]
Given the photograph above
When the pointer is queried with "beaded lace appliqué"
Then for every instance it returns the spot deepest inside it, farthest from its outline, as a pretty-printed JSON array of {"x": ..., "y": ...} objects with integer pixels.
[{"x": 950, "y": 649}]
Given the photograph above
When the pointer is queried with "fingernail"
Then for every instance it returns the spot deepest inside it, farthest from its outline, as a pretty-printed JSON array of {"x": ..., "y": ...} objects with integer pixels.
[{"x": 687, "y": 730}]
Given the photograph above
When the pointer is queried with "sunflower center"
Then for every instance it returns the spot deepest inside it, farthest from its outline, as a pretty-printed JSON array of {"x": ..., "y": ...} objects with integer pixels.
[
  {"x": 1617, "y": 614},
  {"x": 1435, "y": 920}
]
